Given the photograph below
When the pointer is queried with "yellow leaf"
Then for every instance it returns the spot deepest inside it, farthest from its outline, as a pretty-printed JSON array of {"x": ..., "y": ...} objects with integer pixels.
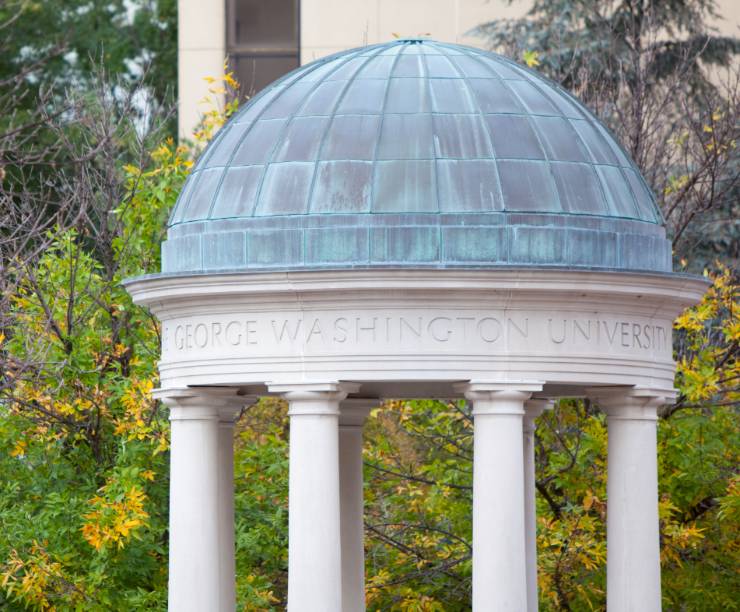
[
  {"x": 531, "y": 58},
  {"x": 19, "y": 448},
  {"x": 588, "y": 501}
]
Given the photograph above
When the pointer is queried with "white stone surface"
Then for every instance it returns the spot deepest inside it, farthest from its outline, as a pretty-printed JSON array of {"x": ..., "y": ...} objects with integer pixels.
[
  {"x": 567, "y": 328},
  {"x": 315, "y": 337},
  {"x": 314, "y": 549},
  {"x": 201, "y": 529},
  {"x": 194, "y": 553},
  {"x": 352, "y": 415},
  {"x": 499, "y": 550},
  {"x": 633, "y": 528},
  {"x": 227, "y": 560},
  {"x": 532, "y": 409},
  {"x": 231, "y": 406}
]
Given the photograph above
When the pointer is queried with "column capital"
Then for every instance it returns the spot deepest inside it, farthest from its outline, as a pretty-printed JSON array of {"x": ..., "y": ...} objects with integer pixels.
[
  {"x": 535, "y": 406},
  {"x": 631, "y": 403},
  {"x": 354, "y": 411},
  {"x": 532, "y": 409},
  {"x": 314, "y": 398},
  {"x": 497, "y": 397},
  {"x": 203, "y": 403}
]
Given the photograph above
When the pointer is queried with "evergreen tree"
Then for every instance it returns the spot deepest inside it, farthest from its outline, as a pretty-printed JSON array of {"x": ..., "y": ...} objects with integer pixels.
[{"x": 666, "y": 83}]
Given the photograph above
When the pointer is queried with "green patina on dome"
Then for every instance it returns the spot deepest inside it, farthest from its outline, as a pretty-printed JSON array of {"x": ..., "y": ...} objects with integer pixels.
[{"x": 414, "y": 153}]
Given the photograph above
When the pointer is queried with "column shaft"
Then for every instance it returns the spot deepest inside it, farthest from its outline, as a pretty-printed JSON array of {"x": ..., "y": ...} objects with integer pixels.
[
  {"x": 227, "y": 548},
  {"x": 351, "y": 420},
  {"x": 314, "y": 567},
  {"x": 201, "y": 556},
  {"x": 194, "y": 555},
  {"x": 499, "y": 552},
  {"x": 633, "y": 538},
  {"x": 533, "y": 409},
  {"x": 314, "y": 550}
]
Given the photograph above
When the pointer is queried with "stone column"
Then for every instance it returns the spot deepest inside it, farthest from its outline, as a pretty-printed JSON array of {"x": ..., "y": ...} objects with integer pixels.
[
  {"x": 227, "y": 546},
  {"x": 532, "y": 409},
  {"x": 314, "y": 548},
  {"x": 499, "y": 551},
  {"x": 201, "y": 552},
  {"x": 632, "y": 525},
  {"x": 352, "y": 415}
]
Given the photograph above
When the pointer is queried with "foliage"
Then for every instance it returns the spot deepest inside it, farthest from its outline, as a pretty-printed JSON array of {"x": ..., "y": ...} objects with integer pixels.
[
  {"x": 61, "y": 63},
  {"x": 666, "y": 84},
  {"x": 418, "y": 497},
  {"x": 616, "y": 40},
  {"x": 261, "y": 506},
  {"x": 83, "y": 501},
  {"x": 418, "y": 458},
  {"x": 84, "y": 448},
  {"x": 708, "y": 371},
  {"x": 63, "y": 42},
  {"x": 215, "y": 116}
]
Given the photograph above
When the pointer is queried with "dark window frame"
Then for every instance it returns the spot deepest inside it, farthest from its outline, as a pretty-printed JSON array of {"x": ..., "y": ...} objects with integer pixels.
[
  {"x": 233, "y": 48},
  {"x": 237, "y": 54}
]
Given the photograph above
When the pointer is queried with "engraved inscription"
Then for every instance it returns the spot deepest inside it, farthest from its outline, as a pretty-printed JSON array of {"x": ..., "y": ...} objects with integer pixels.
[
  {"x": 446, "y": 330},
  {"x": 625, "y": 333}
]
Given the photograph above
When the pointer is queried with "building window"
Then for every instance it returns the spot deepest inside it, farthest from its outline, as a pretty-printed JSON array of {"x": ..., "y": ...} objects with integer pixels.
[{"x": 262, "y": 41}]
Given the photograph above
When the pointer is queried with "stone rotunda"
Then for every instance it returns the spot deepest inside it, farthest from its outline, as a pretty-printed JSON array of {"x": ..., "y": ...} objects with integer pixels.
[{"x": 412, "y": 219}]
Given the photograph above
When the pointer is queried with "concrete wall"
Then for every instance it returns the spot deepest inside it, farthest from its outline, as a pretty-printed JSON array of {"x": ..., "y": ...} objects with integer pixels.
[
  {"x": 201, "y": 50},
  {"x": 729, "y": 22},
  {"x": 328, "y": 26}
]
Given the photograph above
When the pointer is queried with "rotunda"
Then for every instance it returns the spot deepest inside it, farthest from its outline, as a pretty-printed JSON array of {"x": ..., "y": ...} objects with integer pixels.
[{"x": 412, "y": 219}]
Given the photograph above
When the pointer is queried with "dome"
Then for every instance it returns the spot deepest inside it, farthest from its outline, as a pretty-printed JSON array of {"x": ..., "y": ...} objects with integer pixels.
[{"x": 414, "y": 153}]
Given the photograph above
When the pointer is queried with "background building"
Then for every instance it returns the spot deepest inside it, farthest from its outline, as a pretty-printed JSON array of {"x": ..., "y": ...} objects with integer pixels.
[{"x": 264, "y": 39}]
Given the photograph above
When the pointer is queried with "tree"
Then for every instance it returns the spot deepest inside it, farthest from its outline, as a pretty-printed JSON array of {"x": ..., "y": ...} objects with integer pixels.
[
  {"x": 63, "y": 43},
  {"x": 668, "y": 88},
  {"x": 82, "y": 512},
  {"x": 83, "y": 447},
  {"x": 667, "y": 85},
  {"x": 55, "y": 53},
  {"x": 419, "y": 474}
]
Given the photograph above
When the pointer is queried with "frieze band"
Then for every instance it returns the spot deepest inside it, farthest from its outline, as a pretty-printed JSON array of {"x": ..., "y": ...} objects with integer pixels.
[{"x": 443, "y": 330}]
